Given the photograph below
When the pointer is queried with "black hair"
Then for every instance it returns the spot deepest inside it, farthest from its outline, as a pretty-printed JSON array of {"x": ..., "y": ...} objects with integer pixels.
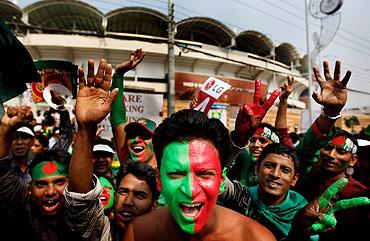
[
  {"x": 187, "y": 125},
  {"x": 58, "y": 155},
  {"x": 280, "y": 149},
  {"x": 142, "y": 172},
  {"x": 44, "y": 141}
]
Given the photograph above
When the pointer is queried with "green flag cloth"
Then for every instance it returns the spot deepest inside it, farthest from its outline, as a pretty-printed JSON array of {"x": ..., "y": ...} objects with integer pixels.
[
  {"x": 16, "y": 65},
  {"x": 280, "y": 215}
]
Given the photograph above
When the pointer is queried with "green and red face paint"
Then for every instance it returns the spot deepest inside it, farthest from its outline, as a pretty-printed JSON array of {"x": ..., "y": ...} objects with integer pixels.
[
  {"x": 140, "y": 150},
  {"x": 191, "y": 177},
  {"x": 48, "y": 169},
  {"x": 107, "y": 195},
  {"x": 347, "y": 144}
]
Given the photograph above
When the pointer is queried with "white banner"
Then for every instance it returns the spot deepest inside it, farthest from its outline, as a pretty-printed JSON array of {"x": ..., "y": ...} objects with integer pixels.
[{"x": 139, "y": 105}]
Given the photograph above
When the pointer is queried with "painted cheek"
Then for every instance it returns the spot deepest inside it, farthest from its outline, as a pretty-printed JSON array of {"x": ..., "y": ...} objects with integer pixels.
[{"x": 205, "y": 191}]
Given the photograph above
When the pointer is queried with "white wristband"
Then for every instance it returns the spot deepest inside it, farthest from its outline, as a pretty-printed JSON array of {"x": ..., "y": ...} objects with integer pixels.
[{"x": 330, "y": 117}]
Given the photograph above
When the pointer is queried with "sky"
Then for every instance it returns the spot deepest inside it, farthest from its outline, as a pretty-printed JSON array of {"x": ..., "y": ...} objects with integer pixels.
[{"x": 282, "y": 21}]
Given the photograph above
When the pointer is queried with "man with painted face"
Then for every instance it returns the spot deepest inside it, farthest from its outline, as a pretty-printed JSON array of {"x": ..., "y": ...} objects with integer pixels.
[
  {"x": 139, "y": 141},
  {"x": 136, "y": 191},
  {"x": 191, "y": 151},
  {"x": 337, "y": 153},
  {"x": 37, "y": 209},
  {"x": 134, "y": 139}
]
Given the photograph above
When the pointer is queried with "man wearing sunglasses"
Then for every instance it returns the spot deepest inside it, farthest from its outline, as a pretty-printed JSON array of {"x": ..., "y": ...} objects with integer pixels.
[{"x": 139, "y": 141}]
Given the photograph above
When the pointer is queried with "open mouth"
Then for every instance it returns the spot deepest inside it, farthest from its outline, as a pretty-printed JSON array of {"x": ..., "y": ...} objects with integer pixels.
[
  {"x": 191, "y": 210},
  {"x": 50, "y": 205},
  {"x": 137, "y": 149},
  {"x": 104, "y": 200}
]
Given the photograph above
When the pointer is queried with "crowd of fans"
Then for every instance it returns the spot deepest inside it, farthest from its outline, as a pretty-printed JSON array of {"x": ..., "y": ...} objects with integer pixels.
[{"x": 187, "y": 178}]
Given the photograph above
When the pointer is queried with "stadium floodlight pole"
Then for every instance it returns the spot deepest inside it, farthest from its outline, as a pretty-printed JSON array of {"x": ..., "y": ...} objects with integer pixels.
[
  {"x": 171, "y": 60},
  {"x": 310, "y": 112}
]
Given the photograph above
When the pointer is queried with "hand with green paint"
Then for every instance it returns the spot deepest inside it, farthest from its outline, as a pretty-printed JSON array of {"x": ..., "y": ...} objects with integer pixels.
[
  {"x": 94, "y": 101},
  {"x": 135, "y": 59},
  {"x": 324, "y": 205},
  {"x": 318, "y": 215}
]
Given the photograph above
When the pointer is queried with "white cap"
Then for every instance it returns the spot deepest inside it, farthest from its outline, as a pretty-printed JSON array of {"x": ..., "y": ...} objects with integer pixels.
[
  {"x": 37, "y": 128},
  {"x": 362, "y": 142},
  {"x": 102, "y": 147},
  {"x": 26, "y": 130}
]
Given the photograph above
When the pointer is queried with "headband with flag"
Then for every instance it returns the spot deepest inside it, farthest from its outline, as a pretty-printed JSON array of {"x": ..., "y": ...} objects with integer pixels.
[
  {"x": 266, "y": 132},
  {"x": 345, "y": 143},
  {"x": 48, "y": 169}
]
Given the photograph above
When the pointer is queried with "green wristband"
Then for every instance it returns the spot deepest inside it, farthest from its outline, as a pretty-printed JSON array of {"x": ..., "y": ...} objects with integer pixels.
[{"x": 118, "y": 113}]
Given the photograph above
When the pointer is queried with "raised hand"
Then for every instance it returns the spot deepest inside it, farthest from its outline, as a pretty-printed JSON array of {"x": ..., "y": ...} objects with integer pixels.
[
  {"x": 325, "y": 207},
  {"x": 135, "y": 58},
  {"x": 94, "y": 102},
  {"x": 333, "y": 95},
  {"x": 287, "y": 88},
  {"x": 251, "y": 115},
  {"x": 16, "y": 116}
]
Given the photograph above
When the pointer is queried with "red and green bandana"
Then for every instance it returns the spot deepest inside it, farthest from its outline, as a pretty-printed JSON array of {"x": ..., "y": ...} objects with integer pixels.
[
  {"x": 266, "y": 132},
  {"x": 48, "y": 169},
  {"x": 189, "y": 189},
  {"x": 345, "y": 143}
]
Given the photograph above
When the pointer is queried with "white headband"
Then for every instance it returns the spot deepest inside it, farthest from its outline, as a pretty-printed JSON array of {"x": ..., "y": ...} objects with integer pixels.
[{"x": 102, "y": 147}]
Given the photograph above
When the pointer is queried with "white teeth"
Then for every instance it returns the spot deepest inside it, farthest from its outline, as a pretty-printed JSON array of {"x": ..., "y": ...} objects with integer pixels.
[
  {"x": 127, "y": 214},
  {"x": 192, "y": 205}
]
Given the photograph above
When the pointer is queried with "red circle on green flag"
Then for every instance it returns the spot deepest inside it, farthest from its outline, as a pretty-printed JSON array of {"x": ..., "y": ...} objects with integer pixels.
[{"x": 50, "y": 168}]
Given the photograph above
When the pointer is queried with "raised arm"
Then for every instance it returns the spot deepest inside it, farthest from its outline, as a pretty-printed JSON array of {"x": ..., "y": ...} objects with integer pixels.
[
  {"x": 13, "y": 118},
  {"x": 118, "y": 114},
  {"x": 280, "y": 121},
  {"x": 94, "y": 102},
  {"x": 332, "y": 97},
  {"x": 249, "y": 118}
]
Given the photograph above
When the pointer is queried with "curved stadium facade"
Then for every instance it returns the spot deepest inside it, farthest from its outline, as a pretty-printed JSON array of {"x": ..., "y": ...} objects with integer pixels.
[{"x": 75, "y": 31}]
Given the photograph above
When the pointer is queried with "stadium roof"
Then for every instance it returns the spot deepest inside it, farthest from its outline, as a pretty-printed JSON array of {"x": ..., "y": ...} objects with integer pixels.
[
  {"x": 204, "y": 30},
  {"x": 254, "y": 42},
  {"x": 286, "y": 53},
  {"x": 57, "y": 15},
  {"x": 10, "y": 12},
  {"x": 65, "y": 15},
  {"x": 137, "y": 20}
]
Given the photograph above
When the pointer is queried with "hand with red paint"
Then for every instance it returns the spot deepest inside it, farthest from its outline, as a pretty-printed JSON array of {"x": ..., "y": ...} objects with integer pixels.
[
  {"x": 250, "y": 116},
  {"x": 333, "y": 95},
  {"x": 94, "y": 101},
  {"x": 17, "y": 116},
  {"x": 135, "y": 58}
]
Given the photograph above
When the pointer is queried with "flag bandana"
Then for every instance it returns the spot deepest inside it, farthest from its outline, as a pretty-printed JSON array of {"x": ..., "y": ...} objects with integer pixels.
[
  {"x": 47, "y": 169},
  {"x": 266, "y": 132},
  {"x": 345, "y": 143}
]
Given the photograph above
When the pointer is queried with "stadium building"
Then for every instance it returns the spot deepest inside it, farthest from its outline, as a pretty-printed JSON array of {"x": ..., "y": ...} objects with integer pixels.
[{"x": 75, "y": 31}]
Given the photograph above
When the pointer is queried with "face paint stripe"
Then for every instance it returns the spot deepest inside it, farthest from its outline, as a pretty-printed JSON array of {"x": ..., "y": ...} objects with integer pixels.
[
  {"x": 176, "y": 191},
  {"x": 203, "y": 157}
]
